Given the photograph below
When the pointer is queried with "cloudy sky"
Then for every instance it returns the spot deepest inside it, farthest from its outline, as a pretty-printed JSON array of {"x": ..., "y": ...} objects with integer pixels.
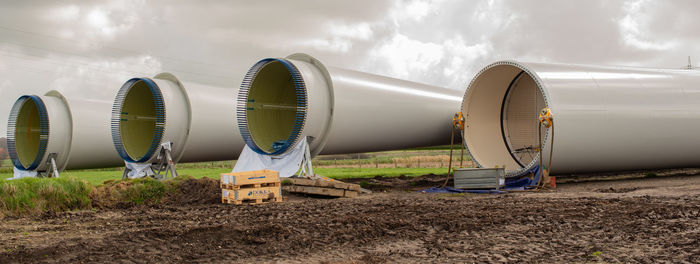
[{"x": 89, "y": 48}]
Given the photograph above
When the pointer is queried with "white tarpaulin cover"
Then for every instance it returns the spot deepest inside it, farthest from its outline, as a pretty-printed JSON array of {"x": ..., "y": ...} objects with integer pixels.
[
  {"x": 19, "y": 174},
  {"x": 138, "y": 170},
  {"x": 287, "y": 164}
]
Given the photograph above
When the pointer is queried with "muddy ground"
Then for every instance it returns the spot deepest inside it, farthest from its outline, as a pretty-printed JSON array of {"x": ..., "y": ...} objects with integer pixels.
[{"x": 647, "y": 220}]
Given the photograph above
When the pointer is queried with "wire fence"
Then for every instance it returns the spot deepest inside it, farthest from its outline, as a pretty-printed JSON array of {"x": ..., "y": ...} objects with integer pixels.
[{"x": 434, "y": 161}]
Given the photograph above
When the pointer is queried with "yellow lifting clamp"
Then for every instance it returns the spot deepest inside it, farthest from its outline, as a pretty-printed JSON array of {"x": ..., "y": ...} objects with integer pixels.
[
  {"x": 546, "y": 120},
  {"x": 457, "y": 124},
  {"x": 546, "y": 117},
  {"x": 458, "y": 121}
]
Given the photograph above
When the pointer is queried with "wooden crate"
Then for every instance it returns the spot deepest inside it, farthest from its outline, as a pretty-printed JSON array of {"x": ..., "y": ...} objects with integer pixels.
[
  {"x": 252, "y": 187},
  {"x": 332, "y": 188},
  {"x": 247, "y": 178},
  {"x": 255, "y": 195}
]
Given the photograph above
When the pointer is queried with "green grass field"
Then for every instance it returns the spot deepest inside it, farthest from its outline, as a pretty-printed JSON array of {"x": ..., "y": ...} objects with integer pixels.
[
  {"x": 360, "y": 168},
  {"x": 97, "y": 177}
]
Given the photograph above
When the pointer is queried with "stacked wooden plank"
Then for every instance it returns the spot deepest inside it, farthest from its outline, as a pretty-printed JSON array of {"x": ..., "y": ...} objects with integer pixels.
[
  {"x": 325, "y": 187},
  {"x": 254, "y": 187}
]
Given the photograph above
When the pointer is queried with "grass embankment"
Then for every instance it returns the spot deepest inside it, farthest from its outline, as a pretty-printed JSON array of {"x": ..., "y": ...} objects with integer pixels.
[{"x": 34, "y": 196}]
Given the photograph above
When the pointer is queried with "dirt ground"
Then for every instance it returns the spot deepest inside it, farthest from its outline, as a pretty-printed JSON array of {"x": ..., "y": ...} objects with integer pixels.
[{"x": 648, "y": 220}]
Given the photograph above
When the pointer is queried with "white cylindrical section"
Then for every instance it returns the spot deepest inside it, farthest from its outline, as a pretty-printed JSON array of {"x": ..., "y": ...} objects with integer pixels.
[
  {"x": 319, "y": 92},
  {"x": 90, "y": 146},
  {"x": 213, "y": 134},
  {"x": 78, "y": 133},
  {"x": 373, "y": 113},
  {"x": 197, "y": 119},
  {"x": 60, "y": 131},
  {"x": 341, "y": 111},
  {"x": 177, "y": 114},
  {"x": 605, "y": 118}
]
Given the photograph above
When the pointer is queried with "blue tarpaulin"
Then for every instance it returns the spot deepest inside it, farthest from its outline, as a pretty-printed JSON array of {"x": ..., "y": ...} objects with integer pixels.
[{"x": 514, "y": 184}]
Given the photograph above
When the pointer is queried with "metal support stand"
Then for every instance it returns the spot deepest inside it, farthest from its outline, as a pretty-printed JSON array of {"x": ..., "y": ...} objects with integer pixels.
[
  {"x": 125, "y": 174},
  {"x": 307, "y": 170},
  {"x": 53, "y": 169},
  {"x": 166, "y": 163},
  {"x": 158, "y": 170}
]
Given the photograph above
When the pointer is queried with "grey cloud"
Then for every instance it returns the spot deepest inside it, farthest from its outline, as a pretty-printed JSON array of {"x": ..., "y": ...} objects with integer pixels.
[{"x": 53, "y": 45}]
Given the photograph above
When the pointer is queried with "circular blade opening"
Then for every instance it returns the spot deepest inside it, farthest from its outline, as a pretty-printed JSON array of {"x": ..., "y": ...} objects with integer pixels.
[
  {"x": 138, "y": 120},
  {"x": 272, "y": 106},
  {"x": 28, "y": 132},
  {"x": 501, "y": 105}
]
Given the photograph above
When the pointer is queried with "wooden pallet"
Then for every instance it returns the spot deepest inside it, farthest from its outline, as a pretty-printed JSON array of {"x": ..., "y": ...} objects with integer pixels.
[
  {"x": 254, "y": 195},
  {"x": 335, "y": 184},
  {"x": 251, "y": 187},
  {"x": 332, "y": 188},
  {"x": 251, "y": 201}
]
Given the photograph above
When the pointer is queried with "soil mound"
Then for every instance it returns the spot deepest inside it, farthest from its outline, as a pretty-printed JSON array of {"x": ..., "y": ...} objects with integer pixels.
[
  {"x": 196, "y": 191},
  {"x": 147, "y": 192}
]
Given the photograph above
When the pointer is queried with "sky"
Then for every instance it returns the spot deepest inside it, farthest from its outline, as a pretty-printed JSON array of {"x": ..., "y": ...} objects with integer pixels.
[{"x": 88, "y": 49}]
